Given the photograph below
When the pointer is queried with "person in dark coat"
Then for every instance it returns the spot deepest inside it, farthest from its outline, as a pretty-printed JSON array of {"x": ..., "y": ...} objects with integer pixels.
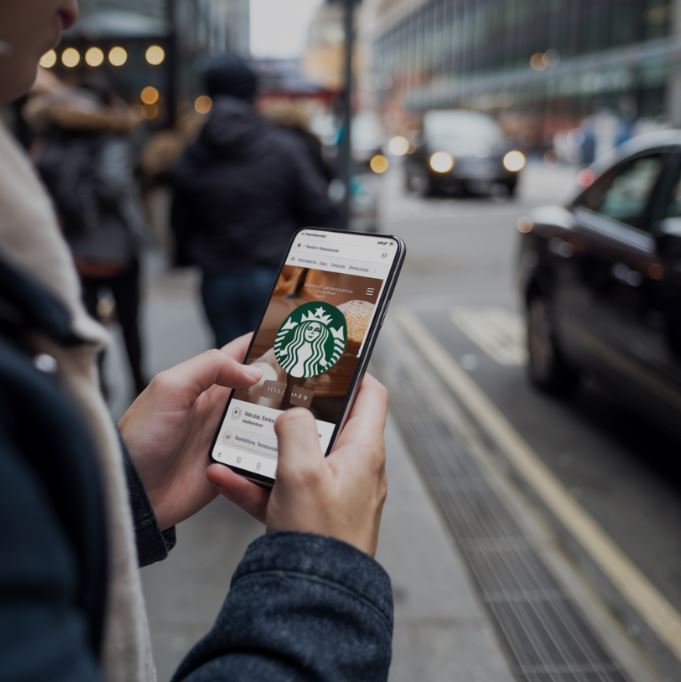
[
  {"x": 83, "y": 503},
  {"x": 240, "y": 192}
]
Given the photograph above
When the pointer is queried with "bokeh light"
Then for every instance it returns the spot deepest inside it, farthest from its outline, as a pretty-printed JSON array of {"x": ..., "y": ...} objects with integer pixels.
[
  {"x": 537, "y": 62},
  {"x": 149, "y": 95},
  {"x": 94, "y": 57},
  {"x": 379, "y": 164},
  {"x": 203, "y": 104},
  {"x": 49, "y": 59},
  {"x": 118, "y": 56},
  {"x": 514, "y": 161},
  {"x": 70, "y": 57},
  {"x": 398, "y": 145},
  {"x": 441, "y": 162},
  {"x": 551, "y": 57},
  {"x": 155, "y": 55},
  {"x": 150, "y": 111}
]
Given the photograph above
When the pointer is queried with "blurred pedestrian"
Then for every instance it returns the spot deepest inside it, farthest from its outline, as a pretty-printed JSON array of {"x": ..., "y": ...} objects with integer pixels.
[
  {"x": 85, "y": 157},
  {"x": 81, "y": 504},
  {"x": 241, "y": 190},
  {"x": 293, "y": 118}
]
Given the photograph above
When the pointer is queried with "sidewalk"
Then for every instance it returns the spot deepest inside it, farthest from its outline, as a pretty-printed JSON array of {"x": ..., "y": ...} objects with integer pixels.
[{"x": 441, "y": 631}]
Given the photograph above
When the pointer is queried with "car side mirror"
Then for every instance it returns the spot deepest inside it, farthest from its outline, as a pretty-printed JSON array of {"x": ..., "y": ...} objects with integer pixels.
[{"x": 668, "y": 238}]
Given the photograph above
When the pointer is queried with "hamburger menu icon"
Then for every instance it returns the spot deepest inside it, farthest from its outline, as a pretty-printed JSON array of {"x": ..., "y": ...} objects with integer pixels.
[{"x": 311, "y": 339}]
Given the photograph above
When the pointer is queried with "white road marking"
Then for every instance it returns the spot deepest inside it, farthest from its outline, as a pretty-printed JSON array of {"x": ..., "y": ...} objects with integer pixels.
[
  {"x": 497, "y": 331},
  {"x": 641, "y": 594}
]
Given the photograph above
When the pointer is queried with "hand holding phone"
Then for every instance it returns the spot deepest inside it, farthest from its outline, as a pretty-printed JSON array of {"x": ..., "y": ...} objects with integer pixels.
[
  {"x": 339, "y": 496},
  {"x": 312, "y": 345}
]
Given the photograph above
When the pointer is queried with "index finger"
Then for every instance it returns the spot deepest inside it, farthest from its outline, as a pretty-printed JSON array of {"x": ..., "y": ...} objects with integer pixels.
[
  {"x": 366, "y": 422},
  {"x": 183, "y": 383},
  {"x": 237, "y": 348}
]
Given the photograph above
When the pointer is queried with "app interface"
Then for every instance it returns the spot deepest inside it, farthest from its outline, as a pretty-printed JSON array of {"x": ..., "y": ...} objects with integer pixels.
[{"x": 309, "y": 343}]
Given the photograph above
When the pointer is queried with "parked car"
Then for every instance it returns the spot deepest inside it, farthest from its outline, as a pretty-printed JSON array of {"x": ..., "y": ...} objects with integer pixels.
[
  {"x": 600, "y": 280},
  {"x": 462, "y": 152}
]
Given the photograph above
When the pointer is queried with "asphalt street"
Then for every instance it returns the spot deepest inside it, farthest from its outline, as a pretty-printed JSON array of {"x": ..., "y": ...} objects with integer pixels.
[
  {"x": 455, "y": 313},
  {"x": 458, "y": 286}
]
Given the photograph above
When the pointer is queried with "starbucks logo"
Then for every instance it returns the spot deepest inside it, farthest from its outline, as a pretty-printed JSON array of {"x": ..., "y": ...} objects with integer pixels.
[{"x": 311, "y": 339}]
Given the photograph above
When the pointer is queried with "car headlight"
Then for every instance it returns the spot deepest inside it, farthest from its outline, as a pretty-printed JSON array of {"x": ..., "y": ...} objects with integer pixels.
[
  {"x": 398, "y": 145},
  {"x": 514, "y": 161},
  {"x": 379, "y": 164},
  {"x": 442, "y": 162}
]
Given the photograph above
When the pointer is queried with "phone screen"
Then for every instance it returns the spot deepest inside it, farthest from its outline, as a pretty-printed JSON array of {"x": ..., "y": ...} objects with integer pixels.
[{"x": 311, "y": 342}]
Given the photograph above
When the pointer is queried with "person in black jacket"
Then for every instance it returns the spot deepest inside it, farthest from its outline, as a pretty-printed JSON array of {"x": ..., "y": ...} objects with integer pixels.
[
  {"x": 307, "y": 602},
  {"x": 240, "y": 192}
]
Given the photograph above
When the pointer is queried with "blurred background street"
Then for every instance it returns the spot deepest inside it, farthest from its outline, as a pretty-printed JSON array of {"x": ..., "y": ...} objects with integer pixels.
[{"x": 533, "y": 355}]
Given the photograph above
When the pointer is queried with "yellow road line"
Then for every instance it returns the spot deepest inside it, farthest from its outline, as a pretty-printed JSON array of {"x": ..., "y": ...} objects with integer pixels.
[{"x": 641, "y": 594}]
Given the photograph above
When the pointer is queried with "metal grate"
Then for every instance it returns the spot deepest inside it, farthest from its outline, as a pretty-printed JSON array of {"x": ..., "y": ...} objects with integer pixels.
[{"x": 545, "y": 636}]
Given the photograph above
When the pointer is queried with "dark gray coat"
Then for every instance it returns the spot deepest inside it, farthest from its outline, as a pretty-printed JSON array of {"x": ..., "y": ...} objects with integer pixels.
[{"x": 300, "y": 607}]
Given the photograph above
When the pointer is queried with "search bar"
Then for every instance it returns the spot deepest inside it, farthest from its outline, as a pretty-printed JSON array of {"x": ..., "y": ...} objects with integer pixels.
[{"x": 340, "y": 250}]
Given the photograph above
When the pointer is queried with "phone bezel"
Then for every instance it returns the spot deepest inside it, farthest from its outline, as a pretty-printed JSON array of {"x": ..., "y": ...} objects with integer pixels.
[{"x": 372, "y": 335}]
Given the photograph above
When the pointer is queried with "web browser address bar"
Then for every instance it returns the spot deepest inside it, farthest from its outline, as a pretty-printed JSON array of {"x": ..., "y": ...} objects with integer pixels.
[{"x": 339, "y": 250}]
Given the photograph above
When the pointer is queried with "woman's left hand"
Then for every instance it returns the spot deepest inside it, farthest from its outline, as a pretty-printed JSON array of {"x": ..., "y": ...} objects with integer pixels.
[{"x": 168, "y": 430}]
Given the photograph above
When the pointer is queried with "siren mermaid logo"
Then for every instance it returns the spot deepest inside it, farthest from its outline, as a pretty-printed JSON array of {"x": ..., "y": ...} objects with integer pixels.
[{"x": 311, "y": 339}]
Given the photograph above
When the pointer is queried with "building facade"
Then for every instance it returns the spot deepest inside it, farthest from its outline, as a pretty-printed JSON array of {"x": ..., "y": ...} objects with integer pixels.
[
  {"x": 546, "y": 63},
  {"x": 187, "y": 31}
]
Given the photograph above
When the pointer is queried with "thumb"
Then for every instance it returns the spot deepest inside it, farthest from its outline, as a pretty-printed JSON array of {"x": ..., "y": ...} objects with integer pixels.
[{"x": 298, "y": 441}]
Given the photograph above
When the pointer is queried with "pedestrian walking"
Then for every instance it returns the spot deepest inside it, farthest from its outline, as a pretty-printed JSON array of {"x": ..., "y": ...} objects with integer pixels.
[
  {"x": 85, "y": 157},
  {"x": 82, "y": 503},
  {"x": 294, "y": 119},
  {"x": 241, "y": 190}
]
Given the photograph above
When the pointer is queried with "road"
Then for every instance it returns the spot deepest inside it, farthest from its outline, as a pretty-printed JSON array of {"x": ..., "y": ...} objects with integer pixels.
[
  {"x": 551, "y": 529},
  {"x": 456, "y": 302}
]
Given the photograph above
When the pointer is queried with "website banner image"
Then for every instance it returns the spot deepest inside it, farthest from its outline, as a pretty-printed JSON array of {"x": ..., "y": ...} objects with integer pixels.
[{"x": 309, "y": 342}]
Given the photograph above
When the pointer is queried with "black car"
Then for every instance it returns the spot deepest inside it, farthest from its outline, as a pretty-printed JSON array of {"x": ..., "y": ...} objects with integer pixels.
[
  {"x": 462, "y": 152},
  {"x": 600, "y": 280}
]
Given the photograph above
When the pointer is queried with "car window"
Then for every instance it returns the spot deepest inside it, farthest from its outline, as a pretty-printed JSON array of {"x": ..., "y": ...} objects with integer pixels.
[
  {"x": 623, "y": 192},
  {"x": 451, "y": 129},
  {"x": 673, "y": 209}
]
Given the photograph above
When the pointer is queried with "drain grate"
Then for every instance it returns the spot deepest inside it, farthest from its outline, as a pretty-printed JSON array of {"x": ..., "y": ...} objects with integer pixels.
[{"x": 546, "y": 637}]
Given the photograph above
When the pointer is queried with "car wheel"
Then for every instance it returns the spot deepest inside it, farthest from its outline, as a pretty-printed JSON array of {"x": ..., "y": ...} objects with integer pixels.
[{"x": 547, "y": 367}]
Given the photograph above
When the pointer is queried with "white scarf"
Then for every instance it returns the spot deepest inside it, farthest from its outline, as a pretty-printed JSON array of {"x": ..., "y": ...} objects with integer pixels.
[{"x": 30, "y": 239}]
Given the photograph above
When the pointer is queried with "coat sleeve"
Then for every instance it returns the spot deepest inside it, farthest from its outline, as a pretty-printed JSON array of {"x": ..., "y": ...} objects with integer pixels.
[
  {"x": 43, "y": 632},
  {"x": 301, "y": 607},
  {"x": 153, "y": 544}
]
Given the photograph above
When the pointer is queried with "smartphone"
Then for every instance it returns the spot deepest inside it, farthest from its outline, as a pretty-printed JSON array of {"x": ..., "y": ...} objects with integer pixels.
[{"x": 313, "y": 343}]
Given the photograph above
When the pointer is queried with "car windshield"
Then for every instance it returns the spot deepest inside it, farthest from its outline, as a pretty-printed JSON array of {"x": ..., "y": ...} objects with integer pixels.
[{"x": 459, "y": 131}]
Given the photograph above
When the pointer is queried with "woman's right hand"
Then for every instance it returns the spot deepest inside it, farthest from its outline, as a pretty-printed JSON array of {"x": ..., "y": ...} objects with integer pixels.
[{"x": 340, "y": 496}]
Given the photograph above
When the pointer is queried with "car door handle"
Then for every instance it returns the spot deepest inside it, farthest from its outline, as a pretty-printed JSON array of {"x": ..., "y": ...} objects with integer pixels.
[{"x": 623, "y": 273}]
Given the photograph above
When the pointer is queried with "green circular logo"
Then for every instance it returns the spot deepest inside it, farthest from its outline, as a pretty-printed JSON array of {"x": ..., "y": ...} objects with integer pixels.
[{"x": 311, "y": 339}]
